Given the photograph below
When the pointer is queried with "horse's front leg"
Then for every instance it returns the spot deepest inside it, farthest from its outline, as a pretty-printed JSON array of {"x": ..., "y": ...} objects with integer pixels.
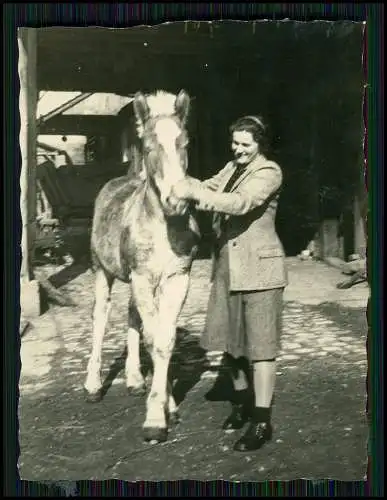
[
  {"x": 102, "y": 306},
  {"x": 160, "y": 400}
]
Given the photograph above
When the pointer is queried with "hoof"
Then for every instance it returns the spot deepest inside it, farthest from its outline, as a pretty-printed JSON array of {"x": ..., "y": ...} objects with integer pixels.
[
  {"x": 156, "y": 434},
  {"x": 174, "y": 418},
  {"x": 136, "y": 391},
  {"x": 93, "y": 398}
]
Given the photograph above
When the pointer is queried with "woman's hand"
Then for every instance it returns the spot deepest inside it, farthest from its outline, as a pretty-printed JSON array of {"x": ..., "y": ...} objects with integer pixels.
[{"x": 186, "y": 188}]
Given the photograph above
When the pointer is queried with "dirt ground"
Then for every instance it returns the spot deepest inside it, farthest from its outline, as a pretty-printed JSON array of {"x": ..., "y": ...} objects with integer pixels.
[{"x": 320, "y": 427}]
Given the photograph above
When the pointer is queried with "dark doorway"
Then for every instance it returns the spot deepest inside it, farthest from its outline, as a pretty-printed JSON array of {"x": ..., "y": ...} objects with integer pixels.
[{"x": 304, "y": 79}]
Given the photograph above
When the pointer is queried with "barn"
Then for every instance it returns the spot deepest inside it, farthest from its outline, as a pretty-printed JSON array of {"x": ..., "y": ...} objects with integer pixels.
[{"x": 305, "y": 79}]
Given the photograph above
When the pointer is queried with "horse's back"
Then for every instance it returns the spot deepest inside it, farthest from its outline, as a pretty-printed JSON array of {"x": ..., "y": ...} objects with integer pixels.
[
  {"x": 116, "y": 191},
  {"x": 111, "y": 205}
]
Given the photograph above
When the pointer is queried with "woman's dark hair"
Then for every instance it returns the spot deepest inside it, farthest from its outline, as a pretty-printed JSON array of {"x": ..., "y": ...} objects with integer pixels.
[{"x": 255, "y": 126}]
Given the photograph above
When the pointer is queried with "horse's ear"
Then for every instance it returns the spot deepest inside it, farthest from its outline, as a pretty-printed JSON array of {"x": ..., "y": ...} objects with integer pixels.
[
  {"x": 140, "y": 107},
  {"x": 182, "y": 105}
]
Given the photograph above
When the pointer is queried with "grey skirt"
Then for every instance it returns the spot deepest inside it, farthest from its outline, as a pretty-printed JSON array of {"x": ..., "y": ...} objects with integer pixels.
[{"x": 247, "y": 324}]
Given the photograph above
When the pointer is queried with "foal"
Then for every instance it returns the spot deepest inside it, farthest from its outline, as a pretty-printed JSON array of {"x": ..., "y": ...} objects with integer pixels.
[{"x": 143, "y": 236}]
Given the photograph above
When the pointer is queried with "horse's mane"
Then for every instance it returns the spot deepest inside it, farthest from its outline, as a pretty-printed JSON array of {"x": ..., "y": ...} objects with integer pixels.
[{"x": 161, "y": 103}]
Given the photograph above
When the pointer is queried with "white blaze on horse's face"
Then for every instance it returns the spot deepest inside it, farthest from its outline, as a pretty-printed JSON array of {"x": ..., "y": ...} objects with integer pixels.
[
  {"x": 173, "y": 156},
  {"x": 161, "y": 119}
]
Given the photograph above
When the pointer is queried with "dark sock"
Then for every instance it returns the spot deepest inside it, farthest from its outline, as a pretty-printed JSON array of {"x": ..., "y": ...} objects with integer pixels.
[
  {"x": 240, "y": 397},
  {"x": 261, "y": 414},
  {"x": 233, "y": 366}
]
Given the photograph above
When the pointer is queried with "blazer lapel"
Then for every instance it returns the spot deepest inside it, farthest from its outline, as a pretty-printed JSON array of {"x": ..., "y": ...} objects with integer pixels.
[
  {"x": 253, "y": 166},
  {"x": 226, "y": 178},
  {"x": 217, "y": 217}
]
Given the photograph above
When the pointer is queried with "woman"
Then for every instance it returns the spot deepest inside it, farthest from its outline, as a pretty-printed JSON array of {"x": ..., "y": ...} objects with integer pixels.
[{"x": 245, "y": 306}]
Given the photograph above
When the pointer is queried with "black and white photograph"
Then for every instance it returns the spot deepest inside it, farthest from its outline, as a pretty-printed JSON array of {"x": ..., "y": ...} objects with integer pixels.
[{"x": 193, "y": 284}]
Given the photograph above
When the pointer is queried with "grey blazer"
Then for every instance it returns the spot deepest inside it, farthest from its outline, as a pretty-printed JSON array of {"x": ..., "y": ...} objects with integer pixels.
[{"x": 257, "y": 257}]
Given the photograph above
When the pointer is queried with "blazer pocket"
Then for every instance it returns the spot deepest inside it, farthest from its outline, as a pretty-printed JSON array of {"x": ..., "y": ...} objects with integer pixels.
[{"x": 268, "y": 253}]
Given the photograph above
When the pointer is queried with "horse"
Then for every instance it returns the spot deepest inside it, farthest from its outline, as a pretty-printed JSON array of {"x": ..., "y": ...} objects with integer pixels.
[{"x": 145, "y": 237}]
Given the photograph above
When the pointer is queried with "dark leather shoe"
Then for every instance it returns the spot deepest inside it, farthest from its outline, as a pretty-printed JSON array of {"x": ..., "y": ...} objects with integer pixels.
[
  {"x": 238, "y": 417},
  {"x": 255, "y": 437}
]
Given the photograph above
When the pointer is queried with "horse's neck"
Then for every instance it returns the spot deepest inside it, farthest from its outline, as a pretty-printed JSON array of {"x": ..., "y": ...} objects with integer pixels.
[
  {"x": 152, "y": 195},
  {"x": 152, "y": 198},
  {"x": 138, "y": 163}
]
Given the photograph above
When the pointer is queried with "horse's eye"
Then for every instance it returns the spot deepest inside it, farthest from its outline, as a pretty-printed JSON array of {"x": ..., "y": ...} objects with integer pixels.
[{"x": 147, "y": 146}]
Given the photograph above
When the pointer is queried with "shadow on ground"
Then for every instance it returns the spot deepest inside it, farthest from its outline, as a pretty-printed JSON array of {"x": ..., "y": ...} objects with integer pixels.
[
  {"x": 76, "y": 247},
  {"x": 70, "y": 272},
  {"x": 188, "y": 363},
  {"x": 345, "y": 317},
  {"x": 319, "y": 415}
]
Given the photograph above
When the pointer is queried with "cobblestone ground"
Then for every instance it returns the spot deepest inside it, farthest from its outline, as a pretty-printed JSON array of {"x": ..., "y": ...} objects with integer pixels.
[{"x": 319, "y": 415}]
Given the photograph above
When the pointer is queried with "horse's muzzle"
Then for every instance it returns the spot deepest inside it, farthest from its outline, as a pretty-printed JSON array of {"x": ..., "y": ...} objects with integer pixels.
[{"x": 176, "y": 206}]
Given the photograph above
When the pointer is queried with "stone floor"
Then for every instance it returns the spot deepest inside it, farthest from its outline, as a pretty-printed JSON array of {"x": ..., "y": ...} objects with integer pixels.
[{"x": 319, "y": 413}]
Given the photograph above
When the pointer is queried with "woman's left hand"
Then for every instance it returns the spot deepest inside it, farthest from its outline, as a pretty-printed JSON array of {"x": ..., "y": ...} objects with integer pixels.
[{"x": 186, "y": 188}]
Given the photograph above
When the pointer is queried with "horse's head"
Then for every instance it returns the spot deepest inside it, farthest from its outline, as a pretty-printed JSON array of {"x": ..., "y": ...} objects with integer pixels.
[{"x": 161, "y": 126}]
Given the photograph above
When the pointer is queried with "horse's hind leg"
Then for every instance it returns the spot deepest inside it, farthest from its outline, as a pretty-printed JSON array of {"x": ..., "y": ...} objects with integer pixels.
[
  {"x": 174, "y": 417},
  {"x": 135, "y": 383},
  {"x": 102, "y": 306}
]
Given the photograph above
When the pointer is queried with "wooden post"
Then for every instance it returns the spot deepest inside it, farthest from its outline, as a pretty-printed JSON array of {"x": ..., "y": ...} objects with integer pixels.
[
  {"x": 360, "y": 217},
  {"x": 29, "y": 300}
]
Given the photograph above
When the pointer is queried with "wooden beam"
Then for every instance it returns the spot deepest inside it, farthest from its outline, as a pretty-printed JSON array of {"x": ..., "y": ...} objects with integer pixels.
[
  {"x": 29, "y": 296},
  {"x": 79, "y": 125},
  {"x": 191, "y": 33},
  {"x": 27, "y": 106},
  {"x": 172, "y": 36},
  {"x": 360, "y": 214},
  {"x": 64, "y": 107}
]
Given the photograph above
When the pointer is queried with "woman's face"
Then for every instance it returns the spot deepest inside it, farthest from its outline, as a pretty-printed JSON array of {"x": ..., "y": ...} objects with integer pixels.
[{"x": 244, "y": 147}]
